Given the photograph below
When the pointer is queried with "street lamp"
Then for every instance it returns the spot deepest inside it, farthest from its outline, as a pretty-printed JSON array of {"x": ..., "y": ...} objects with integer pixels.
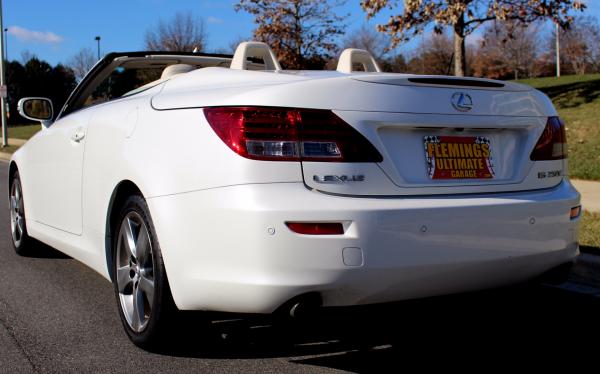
[
  {"x": 6, "y": 44},
  {"x": 98, "y": 40},
  {"x": 3, "y": 90},
  {"x": 557, "y": 50}
]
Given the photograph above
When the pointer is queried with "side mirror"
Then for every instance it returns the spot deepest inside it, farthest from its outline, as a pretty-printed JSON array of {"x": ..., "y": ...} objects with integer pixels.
[{"x": 37, "y": 109}]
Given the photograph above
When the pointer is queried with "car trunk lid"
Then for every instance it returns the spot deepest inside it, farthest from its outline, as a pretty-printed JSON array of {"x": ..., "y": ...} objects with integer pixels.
[{"x": 472, "y": 137}]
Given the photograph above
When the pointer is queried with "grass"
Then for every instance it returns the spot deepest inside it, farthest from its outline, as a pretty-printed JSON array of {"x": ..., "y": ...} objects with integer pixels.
[
  {"x": 549, "y": 82},
  {"x": 9, "y": 149},
  {"x": 589, "y": 233},
  {"x": 577, "y": 99},
  {"x": 23, "y": 131}
]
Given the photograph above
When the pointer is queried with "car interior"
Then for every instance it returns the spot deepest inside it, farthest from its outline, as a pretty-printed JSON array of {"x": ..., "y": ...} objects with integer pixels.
[{"x": 126, "y": 76}]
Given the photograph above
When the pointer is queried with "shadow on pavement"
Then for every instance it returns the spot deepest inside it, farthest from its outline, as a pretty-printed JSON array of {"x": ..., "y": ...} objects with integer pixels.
[
  {"x": 590, "y": 250},
  {"x": 510, "y": 321},
  {"x": 41, "y": 250}
]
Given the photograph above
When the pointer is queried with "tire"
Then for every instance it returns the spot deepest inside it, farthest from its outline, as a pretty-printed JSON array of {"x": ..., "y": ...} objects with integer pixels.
[
  {"x": 141, "y": 286},
  {"x": 22, "y": 242}
]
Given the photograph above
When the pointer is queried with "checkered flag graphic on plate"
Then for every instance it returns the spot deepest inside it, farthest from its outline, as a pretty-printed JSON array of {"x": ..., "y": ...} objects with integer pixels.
[
  {"x": 430, "y": 161},
  {"x": 489, "y": 160}
]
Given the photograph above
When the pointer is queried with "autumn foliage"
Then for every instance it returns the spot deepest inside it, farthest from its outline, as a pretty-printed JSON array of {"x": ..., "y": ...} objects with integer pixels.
[
  {"x": 302, "y": 33},
  {"x": 465, "y": 16}
]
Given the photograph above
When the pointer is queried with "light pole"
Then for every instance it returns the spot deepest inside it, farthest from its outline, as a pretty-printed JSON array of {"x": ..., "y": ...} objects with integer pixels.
[
  {"x": 557, "y": 51},
  {"x": 6, "y": 44},
  {"x": 3, "y": 90},
  {"x": 98, "y": 40}
]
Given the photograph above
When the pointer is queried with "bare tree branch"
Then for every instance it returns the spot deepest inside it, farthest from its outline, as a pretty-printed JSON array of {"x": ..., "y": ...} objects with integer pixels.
[
  {"x": 82, "y": 62},
  {"x": 182, "y": 33}
]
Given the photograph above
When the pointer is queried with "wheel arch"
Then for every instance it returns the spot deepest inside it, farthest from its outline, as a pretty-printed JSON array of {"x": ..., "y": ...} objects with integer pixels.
[
  {"x": 12, "y": 169},
  {"x": 122, "y": 191}
]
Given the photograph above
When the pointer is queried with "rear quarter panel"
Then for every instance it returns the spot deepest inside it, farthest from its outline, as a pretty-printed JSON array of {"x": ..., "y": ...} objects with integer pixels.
[{"x": 163, "y": 153}]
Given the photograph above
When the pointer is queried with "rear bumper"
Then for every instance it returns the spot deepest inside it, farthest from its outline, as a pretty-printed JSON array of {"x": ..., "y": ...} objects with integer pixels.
[{"x": 228, "y": 249}]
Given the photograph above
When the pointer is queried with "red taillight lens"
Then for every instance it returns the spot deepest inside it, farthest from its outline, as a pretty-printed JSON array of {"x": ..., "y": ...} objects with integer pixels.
[
  {"x": 285, "y": 134},
  {"x": 552, "y": 144},
  {"x": 316, "y": 228}
]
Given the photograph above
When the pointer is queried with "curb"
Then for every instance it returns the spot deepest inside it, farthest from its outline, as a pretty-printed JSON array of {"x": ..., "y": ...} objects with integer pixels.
[
  {"x": 5, "y": 156},
  {"x": 17, "y": 142},
  {"x": 590, "y": 194}
]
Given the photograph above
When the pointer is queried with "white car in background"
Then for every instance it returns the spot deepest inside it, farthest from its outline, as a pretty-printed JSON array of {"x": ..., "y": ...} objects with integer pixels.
[{"x": 220, "y": 183}]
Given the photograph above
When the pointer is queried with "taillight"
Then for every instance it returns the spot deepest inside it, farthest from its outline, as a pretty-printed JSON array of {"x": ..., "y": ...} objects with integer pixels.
[
  {"x": 286, "y": 134},
  {"x": 552, "y": 144},
  {"x": 316, "y": 228}
]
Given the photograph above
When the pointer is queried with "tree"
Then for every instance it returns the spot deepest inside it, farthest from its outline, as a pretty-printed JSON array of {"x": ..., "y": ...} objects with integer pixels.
[
  {"x": 508, "y": 49},
  {"x": 82, "y": 62},
  {"x": 370, "y": 40},
  {"x": 232, "y": 46},
  {"x": 434, "y": 56},
  {"x": 465, "y": 16},
  {"x": 37, "y": 78},
  {"x": 395, "y": 64},
  {"x": 579, "y": 45},
  {"x": 302, "y": 33},
  {"x": 26, "y": 56},
  {"x": 376, "y": 43},
  {"x": 182, "y": 33}
]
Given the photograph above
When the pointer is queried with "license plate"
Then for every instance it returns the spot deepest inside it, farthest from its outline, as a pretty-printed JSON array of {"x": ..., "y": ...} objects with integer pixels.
[{"x": 458, "y": 157}]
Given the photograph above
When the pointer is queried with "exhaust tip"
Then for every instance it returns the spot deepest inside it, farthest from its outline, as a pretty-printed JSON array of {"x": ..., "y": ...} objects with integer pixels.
[{"x": 302, "y": 307}]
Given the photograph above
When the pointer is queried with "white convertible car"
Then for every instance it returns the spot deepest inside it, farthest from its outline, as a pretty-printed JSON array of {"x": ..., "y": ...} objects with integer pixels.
[{"x": 224, "y": 183}]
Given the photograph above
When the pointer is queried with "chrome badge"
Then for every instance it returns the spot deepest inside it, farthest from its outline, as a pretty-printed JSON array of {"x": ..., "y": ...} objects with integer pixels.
[
  {"x": 462, "y": 102},
  {"x": 338, "y": 178}
]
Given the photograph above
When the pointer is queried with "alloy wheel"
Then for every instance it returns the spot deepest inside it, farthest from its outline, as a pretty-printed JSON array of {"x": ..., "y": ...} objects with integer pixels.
[
  {"x": 17, "y": 213},
  {"x": 135, "y": 271}
]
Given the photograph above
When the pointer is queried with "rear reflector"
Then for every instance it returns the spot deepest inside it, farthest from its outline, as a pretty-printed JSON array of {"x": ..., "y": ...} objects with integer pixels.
[
  {"x": 287, "y": 134},
  {"x": 552, "y": 144},
  {"x": 575, "y": 212},
  {"x": 316, "y": 228}
]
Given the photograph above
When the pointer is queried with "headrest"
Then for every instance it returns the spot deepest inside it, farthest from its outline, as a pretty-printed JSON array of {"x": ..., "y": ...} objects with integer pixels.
[{"x": 172, "y": 70}]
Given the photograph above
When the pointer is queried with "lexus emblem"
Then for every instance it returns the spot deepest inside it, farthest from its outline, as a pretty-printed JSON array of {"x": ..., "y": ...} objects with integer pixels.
[{"x": 462, "y": 102}]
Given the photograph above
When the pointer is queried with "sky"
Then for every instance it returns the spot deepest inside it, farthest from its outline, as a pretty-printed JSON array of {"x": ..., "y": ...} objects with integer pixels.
[{"x": 55, "y": 30}]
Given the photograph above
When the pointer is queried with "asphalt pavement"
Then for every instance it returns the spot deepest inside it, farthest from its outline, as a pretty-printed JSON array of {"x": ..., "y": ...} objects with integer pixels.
[{"x": 58, "y": 316}]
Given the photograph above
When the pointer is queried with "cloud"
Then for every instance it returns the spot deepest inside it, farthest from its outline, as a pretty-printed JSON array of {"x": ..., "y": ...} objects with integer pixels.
[
  {"x": 214, "y": 20},
  {"x": 26, "y": 35}
]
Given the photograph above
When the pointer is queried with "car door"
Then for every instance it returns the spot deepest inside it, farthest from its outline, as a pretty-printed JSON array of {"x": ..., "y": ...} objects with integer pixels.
[{"x": 57, "y": 165}]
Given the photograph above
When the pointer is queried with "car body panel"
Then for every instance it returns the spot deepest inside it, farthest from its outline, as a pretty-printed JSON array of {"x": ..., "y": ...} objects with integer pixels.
[
  {"x": 412, "y": 247},
  {"x": 337, "y": 92},
  {"x": 56, "y": 163}
]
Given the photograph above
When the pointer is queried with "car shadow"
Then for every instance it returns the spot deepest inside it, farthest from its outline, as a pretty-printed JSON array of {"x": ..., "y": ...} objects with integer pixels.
[
  {"x": 590, "y": 249},
  {"x": 44, "y": 251},
  {"x": 384, "y": 337}
]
